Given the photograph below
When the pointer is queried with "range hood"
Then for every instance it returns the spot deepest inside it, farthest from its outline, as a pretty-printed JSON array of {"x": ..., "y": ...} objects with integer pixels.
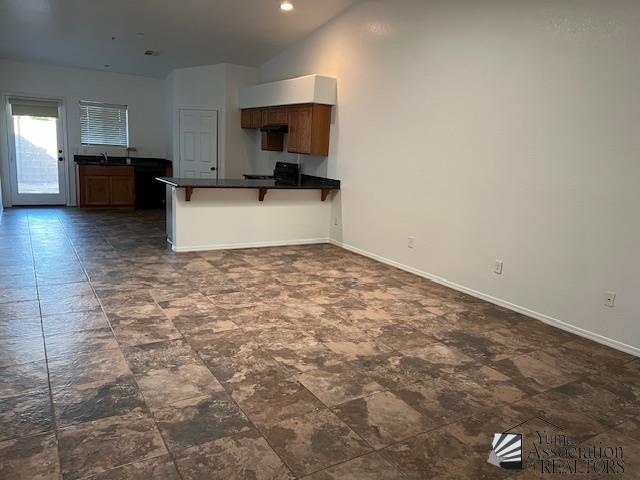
[{"x": 275, "y": 128}]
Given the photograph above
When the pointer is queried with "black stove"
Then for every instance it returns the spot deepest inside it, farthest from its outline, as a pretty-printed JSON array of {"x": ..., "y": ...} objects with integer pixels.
[{"x": 288, "y": 173}]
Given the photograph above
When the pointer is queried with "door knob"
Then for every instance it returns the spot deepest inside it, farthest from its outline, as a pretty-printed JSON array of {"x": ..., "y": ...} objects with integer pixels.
[
  {"x": 60, "y": 159},
  {"x": 213, "y": 168}
]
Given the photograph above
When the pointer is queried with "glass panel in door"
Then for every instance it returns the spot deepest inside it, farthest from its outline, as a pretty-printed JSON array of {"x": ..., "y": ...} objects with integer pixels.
[{"x": 38, "y": 166}]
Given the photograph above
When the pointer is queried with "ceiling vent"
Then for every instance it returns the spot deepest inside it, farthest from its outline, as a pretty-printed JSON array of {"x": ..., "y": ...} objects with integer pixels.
[{"x": 151, "y": 53}]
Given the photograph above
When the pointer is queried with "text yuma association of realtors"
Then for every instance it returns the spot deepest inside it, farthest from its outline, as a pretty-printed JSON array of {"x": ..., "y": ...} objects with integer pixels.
[{"x": 553, "y": 453}]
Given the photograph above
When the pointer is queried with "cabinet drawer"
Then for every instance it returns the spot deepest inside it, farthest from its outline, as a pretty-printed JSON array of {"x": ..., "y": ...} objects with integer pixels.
[{"x": 108, "y": 171}]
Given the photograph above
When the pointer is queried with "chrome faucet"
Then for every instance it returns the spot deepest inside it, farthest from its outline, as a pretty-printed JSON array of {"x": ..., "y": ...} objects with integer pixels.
[{"x": 106, "y": 159}]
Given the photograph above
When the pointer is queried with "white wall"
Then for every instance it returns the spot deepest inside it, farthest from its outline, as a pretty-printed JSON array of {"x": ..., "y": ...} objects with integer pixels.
[
  {"x": 491, "y": 130},
  {"x": 144, "y": 97},
  {"x": 239, "y": 148}
]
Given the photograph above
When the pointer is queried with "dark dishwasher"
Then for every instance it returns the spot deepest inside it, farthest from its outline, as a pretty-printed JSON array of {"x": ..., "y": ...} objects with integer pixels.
[{"x": 149, "y": 192}]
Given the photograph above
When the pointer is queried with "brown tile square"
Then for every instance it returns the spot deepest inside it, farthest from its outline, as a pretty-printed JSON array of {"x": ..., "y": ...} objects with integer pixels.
[
  {"x": 24, "y": 415},
  {"x": 381, "y": 419},
  {"x": 23, "y": 378},
  {"x": 33, "y": 458},
  {"x": 20, "y": 327},
  {"x": 51, "y": 293},
  {"x": 234, "y": 357},
  {"x": 12, "y": 294},
  {"x": 439, "y": 454},
  {"x": 531, "y": 373},
  {"x": 20, "y": 310},
  {"x": 199, "y": 420},
  {"x": 160, "y": 468},
  {"x": 339, "y": 384},
  {"x": 367, "y": 467},
  {"x": 244, "y": 455},
  {"x": 84, "y": 341},
  {"x": 400, "y": 337},
  {"x": 159, "y": 355},
  {"x": 443, "y": 358},
  {"x": 272, "y": 396},
  {"x": 141, "y": 324},
  {"x": 21, "y": 349},
  {"x": 92, "y": 386},
  {"x": 74, "y": 322},
  {"x": 314, "y": 441},
  {"x": 94, "y": 447}
]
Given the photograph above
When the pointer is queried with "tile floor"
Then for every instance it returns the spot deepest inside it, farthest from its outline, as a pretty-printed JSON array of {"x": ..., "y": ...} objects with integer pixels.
[{"x": 122, "y": 360}]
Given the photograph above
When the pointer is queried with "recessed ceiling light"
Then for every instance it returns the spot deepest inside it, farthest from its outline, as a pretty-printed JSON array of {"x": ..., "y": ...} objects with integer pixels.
[{"x": 286, "y": 6}]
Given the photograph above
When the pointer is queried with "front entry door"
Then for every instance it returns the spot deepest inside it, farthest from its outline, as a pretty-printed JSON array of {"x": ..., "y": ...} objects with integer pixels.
[
  {"x": 37, "y": 160},
  {"x": 198, "y": 143}
]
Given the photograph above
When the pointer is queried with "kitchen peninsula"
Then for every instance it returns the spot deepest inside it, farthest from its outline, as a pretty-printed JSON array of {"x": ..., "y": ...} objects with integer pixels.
[{"x": 213, "y": 214}]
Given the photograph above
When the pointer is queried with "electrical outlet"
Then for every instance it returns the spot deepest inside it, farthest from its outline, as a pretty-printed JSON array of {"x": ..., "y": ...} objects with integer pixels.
[
  {"x": 335, "y": 221},
  {"x": 497, "y": 268},
  {"x": 411, "y": 242},
  {"x": 610, "y": 299}
]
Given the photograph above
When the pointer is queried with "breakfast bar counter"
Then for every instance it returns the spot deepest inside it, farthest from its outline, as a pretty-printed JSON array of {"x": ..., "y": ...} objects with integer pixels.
[
  {"x": 213, "y": 214},
  {"x": 262, "y": 184}
]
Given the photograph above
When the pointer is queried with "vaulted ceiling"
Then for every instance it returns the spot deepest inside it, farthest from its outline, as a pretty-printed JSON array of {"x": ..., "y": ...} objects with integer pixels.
[{"x": 95, "y": 33}]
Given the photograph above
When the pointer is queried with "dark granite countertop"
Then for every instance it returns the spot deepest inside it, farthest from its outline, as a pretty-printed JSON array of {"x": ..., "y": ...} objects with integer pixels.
[
  {"x": 121, "y": 161},
  {"x": 306, "y": 182}
]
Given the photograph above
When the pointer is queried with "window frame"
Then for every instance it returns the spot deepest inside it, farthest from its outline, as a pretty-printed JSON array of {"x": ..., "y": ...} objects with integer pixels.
[{"x": 90, "y": 103}]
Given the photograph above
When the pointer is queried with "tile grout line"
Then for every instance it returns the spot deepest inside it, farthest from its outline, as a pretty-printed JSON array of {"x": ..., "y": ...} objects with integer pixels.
[
  {"x": 54, "y": 422},
  {"x": 195, "y": 351},
  {"x": 169, "y": 453}
]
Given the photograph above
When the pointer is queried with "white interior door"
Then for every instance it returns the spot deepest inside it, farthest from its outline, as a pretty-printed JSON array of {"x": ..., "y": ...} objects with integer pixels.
[
  {"x": 198, "y": 143},
  {"x": 37, "y": 160}
]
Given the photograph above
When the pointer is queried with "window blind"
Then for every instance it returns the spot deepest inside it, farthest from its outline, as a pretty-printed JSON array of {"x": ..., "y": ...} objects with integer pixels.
[
  {"x": 104, "y": 124},
  {"x": 34, "y": 108}
]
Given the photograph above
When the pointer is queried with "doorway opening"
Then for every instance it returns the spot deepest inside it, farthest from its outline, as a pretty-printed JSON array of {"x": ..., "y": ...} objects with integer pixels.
[{"x": 37, "y": 161}]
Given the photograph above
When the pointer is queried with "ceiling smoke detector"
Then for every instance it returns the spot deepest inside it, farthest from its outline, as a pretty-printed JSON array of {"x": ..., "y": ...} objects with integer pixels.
[{"x": 151, "y": 53}]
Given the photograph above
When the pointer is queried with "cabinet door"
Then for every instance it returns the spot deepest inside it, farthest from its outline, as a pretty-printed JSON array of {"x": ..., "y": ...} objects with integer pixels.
[
  {"x": 256, "y": 118},
  {"x": 121, "y": 190},
  {"x": 300, "y": 130},
  {"x": 276, "y": 115},
  {"x": 245, "y": 118},
  {"x": 272, "y": 141},
  {"x": 95, "y": 190}
]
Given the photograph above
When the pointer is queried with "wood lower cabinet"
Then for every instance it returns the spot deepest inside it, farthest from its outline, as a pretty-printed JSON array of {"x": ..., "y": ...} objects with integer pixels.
[
  {"x": 94, "y": 190},
  {"x": 121, "y": 190},
  {"x": 103, "y": 186}
]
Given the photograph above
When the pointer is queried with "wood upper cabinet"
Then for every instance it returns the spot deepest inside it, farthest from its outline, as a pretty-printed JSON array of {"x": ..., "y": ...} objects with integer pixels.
[
  {"x": 245, "y": 118},
  {"x": 251, "y": 118},
  {"x": 272, "y": 141},
  {"x": 276, "y": 115},
  {"x": 309, "y": 128},
  {"x": 102, "y": 186}
]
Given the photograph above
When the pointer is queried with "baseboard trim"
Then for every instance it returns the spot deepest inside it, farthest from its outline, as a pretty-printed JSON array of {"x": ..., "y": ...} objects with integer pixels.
[
  {"x": 498, "y": 301},
  {"x": 236, "y": 246}
]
